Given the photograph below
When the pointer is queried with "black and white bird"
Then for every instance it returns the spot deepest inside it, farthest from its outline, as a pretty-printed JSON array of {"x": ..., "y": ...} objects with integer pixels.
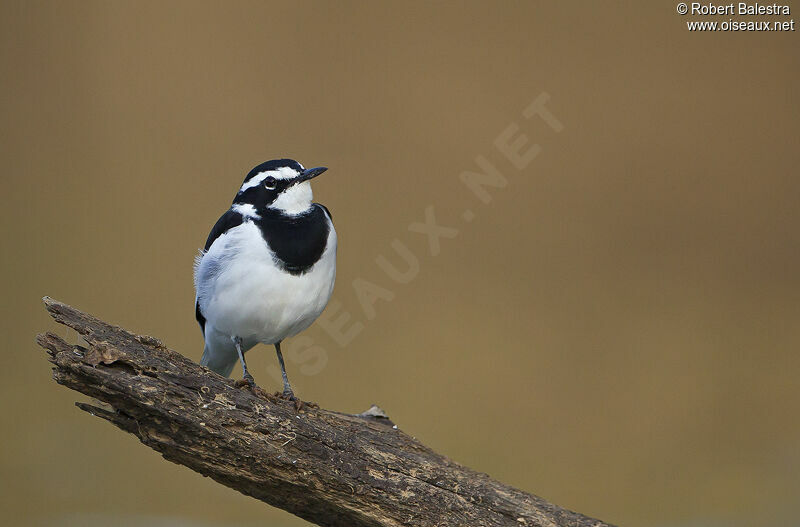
[{"x": 267, "y": 269}]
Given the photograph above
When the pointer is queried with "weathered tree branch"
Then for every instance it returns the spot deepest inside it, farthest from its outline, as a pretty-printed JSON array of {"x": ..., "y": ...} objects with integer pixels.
[{"x": 329, "y": 468}]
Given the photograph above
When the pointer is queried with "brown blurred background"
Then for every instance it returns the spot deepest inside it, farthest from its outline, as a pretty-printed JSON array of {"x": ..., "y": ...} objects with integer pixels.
[{"x": 615, "y": 331}]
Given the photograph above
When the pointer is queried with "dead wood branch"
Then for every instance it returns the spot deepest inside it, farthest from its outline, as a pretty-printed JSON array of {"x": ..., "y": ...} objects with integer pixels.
[{"x": 329, "y": 468}]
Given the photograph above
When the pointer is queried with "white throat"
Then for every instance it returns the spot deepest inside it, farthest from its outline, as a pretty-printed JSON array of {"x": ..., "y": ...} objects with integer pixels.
[{"x": 294, "y": 200}]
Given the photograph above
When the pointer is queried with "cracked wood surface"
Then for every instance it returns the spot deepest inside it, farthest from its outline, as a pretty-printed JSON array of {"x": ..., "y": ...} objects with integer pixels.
[{"x": 330, "y": 468}]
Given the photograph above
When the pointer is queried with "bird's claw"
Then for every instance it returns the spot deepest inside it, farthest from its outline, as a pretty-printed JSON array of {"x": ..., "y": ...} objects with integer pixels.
[
  {"x": 290, "y": 396},
  {"x": 247, "y": 380}
]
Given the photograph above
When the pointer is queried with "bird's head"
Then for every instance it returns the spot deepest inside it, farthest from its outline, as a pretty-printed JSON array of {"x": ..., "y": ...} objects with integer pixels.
[{"x": 281, "y": 184}]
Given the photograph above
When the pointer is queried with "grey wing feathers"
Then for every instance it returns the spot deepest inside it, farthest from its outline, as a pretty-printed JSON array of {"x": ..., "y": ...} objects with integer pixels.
[{"x": 227, "y": 221}]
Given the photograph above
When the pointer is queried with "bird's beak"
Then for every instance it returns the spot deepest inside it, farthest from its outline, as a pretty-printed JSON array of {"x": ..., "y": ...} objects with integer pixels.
[{"x": 310, "y": 174}]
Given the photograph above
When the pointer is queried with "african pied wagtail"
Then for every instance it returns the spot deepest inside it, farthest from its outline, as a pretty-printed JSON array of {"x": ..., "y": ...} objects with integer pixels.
[{"x": 267, "y": 269}]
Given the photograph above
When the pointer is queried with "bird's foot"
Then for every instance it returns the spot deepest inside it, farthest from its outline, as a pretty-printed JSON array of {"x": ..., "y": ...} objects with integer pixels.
[
  {"x": 290, "y": 396},
  {"x": 247, "y": 380}
]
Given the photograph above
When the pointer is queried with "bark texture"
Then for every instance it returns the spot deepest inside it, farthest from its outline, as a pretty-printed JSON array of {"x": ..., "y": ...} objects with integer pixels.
[{"x": 329, "y": 468}]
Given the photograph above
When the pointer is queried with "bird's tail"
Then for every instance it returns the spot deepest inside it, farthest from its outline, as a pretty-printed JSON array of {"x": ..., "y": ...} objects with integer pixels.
[{"x": 219, "y": 360}]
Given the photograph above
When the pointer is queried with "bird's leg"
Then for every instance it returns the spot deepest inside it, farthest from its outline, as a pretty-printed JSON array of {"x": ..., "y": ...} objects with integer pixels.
[
  {"x": 287, "y": 388},
  {"x": 237, "y": 341}
]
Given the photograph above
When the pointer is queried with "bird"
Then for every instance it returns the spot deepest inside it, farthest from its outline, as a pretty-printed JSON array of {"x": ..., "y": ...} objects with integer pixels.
[{"x": 267, "y": 269}]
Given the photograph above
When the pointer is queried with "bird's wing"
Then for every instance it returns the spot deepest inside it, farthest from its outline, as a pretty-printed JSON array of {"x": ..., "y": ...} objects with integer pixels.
[
  {"x": 199, "y": 316},
  {"x": 324, "y": 208},
  {"x": 227, "y": 221}
]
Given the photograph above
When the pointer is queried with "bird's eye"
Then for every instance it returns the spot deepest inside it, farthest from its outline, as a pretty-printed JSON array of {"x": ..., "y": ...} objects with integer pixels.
[{"x": 270, "y": 183}]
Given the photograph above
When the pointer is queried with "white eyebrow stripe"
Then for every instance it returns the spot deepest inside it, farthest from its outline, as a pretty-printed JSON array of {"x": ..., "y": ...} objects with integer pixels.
[{"x": 281, "y": 173}]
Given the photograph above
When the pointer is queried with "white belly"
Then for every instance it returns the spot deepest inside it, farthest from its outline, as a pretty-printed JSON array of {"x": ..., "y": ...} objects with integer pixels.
[{"x": 243, "y": 293}]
